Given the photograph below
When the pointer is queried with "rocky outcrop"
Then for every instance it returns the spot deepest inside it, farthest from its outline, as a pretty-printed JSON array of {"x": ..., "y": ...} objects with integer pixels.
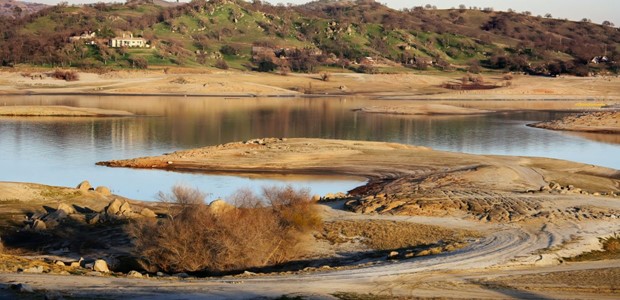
[
  {"x": 134, "y": 274},
  {"x": 115, "y": 210},
  {"x": 84, "y": 186},
  {"x": 100, "y": 265},
  {"x": 475, "y": 204},
  {"x": 145, "y": 212},
  {"x": 103, "y": 190}
]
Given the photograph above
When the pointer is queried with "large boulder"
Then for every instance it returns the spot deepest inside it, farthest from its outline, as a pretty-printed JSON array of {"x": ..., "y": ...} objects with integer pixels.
[
  {"x": 101, "y": 266},
  {"x": 134, "y": 274},
  {"x": 125, "y": 209},
  {"x": 113, "y": 208},
  {"x": 84, "y": 186},
  {"x": 103, "y": 190},
  {"x": 148, "y": 213},
  {"x": 67, "y": 209},
  {"x": 39, "y": 225}
]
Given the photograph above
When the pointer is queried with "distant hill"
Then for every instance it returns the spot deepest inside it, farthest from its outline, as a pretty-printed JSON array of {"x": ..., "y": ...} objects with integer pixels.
[
  {"x": 12, "y": 8},
  {"x": 360, "y": 35}
]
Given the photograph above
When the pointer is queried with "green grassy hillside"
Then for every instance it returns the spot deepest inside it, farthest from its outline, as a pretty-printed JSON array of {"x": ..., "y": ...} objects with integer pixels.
[{"x": 306, "y": 38}]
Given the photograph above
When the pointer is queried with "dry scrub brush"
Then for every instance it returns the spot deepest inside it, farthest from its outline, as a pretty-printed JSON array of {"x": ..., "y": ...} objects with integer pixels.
[
  {"x": 65, "y": 75},
  {"x": 257, "y": 231},
  {"x": 389, "y": 235}
]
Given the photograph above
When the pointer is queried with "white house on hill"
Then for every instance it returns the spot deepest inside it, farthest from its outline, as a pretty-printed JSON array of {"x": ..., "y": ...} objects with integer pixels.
[{"x": 127, "y": 40}]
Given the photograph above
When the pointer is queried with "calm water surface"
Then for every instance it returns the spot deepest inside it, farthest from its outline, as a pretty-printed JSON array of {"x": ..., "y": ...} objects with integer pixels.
[{"x": 63, "y": 151}]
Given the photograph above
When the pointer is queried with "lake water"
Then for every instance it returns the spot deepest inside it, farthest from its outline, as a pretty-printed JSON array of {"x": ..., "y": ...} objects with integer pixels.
[{"x": 63, "y": 151}]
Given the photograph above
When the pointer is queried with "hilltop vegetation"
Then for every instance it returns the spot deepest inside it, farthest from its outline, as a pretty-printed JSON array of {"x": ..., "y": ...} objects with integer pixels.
[
  {"x": 16, "y": 9},
  {"x": 361, "y": 35}
]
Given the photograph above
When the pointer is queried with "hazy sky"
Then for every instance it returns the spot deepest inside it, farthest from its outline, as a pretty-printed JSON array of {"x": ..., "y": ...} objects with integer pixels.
[{"x": 597, "y": 10}]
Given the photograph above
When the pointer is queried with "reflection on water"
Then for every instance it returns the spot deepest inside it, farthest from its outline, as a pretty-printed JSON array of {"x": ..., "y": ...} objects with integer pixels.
[
  {"x": 63, "y": 151},
  {"x": 599, "y": 137}
]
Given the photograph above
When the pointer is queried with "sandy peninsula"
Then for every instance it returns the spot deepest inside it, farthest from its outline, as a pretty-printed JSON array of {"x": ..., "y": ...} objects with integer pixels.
[
  {"x": 597, "y": 122},
  {"x": 60, "y": 111}
]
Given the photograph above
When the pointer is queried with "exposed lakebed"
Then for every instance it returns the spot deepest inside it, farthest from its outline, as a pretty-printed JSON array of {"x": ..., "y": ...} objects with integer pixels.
[{"x": 63, "y": 151}]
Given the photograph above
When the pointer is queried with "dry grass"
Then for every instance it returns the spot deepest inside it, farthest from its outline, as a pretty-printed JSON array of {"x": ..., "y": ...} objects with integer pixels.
[
  {"x": 611, "y": 250},
  {"x": 388, "y": 235},
  {"x": 257, "y": 232}
]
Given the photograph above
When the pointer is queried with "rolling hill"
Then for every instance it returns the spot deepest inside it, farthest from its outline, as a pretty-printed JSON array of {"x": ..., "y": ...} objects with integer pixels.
[
  {"x": 362, "y": 35},
  {"x": 16, "y": 9}
]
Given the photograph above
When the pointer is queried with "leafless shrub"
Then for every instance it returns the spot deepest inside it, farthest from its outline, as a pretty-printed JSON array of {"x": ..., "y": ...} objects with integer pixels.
[
  {"x": 221, "y": 64},
  {"x": 65, "y": 75},
  {"x": 294, "y": 207},
  {"x": 326, "y": 76},
  {"x": 256, "y": 232}
]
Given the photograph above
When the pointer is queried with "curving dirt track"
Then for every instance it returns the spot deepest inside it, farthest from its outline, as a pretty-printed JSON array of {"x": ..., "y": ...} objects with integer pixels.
[{"x": 508, "y": 250}]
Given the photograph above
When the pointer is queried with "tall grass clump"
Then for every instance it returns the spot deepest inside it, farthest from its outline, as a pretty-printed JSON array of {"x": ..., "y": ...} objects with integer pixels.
[{"x": 256, "y": 231}]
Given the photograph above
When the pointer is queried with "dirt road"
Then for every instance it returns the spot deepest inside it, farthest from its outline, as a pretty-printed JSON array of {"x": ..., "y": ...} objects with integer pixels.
[{"x": 473, "y": 271}]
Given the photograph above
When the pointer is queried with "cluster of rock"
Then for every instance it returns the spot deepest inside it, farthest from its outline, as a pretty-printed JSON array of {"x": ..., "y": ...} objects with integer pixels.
[
  {"x": 95, "y": 265},
  {"x": 474, "y": 204},
  {"x": 115, "y": 210},
  {"x": 263, "y": 141},
  {"x": 86, "y": 186},
  {"x": 331, "y": 197},
  {"x": 484, "y": 206},
  {"x": 556, "y": 188}
]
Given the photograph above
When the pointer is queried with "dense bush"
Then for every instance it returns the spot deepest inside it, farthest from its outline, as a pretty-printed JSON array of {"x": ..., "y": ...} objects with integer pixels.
[
  {"x": 66, "y": 75},
  {"x": 139, "y": 63},
  {"x": 255, "y": 232},
  {"x": 229, "y": 50}
]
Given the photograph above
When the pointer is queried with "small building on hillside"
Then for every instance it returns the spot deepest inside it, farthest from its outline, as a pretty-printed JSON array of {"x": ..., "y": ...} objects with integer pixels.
[
  {"x": 127, "y": 40},
  {"x": 86, "y": 36}
]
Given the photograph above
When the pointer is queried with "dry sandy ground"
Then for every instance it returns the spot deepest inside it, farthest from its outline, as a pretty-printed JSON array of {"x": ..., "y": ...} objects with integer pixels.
[
  {"x": 59, "y": 111},
  {"x": 397, "y": 86},
  {"x": 601, "y": 122},
  {"x": 506, "y": 263},
  {"x": 382, "y": 161}
]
